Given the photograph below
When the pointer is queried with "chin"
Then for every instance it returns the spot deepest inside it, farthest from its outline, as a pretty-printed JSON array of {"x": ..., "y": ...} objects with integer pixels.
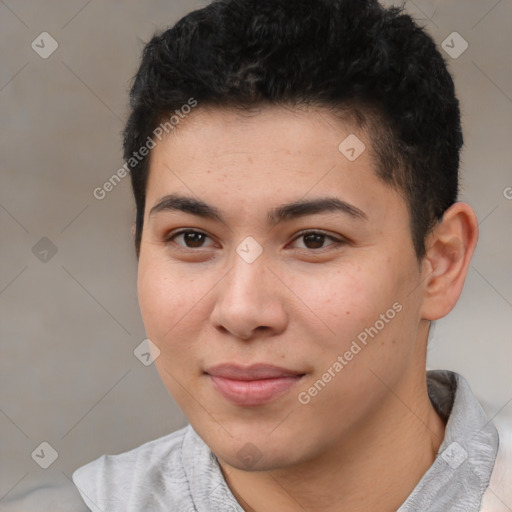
[
  {"x": 252, "y": 449},
  {"x": 250, "y": 458}
]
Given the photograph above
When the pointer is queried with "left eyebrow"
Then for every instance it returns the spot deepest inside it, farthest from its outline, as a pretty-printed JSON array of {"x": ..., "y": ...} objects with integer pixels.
[
  {"x": 186, "y": 204},
  {"x": 312, "y": 206}
]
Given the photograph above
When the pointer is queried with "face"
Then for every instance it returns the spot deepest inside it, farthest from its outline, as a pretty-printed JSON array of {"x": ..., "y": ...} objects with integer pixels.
[{"x": 278, "y": 279}]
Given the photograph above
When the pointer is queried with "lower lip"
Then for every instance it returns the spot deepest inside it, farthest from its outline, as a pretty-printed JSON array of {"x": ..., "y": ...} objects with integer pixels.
[{"x": 253, "y": 392}]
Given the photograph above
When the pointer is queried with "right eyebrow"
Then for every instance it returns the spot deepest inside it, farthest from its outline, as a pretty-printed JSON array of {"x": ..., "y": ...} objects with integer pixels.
[{"x": 185, "y": 204}]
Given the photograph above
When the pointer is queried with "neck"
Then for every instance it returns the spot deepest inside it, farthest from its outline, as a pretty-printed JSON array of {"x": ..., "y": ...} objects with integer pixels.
[{"x": 375, "y": 467}]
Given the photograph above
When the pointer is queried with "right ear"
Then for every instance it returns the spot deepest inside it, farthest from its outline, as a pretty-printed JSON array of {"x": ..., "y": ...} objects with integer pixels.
[{"x": 133, "y": 231}]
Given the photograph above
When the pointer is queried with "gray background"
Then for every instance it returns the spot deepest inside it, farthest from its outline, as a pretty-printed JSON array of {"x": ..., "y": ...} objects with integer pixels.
[{"x": 69, "y": 325}]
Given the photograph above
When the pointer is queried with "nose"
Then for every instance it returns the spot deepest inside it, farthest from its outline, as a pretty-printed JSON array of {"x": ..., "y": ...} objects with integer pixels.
[{"x": 250, "y": 300}]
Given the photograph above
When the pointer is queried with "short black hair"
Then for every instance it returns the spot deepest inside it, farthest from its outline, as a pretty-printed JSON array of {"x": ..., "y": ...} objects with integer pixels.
[{"x": 371, "y": 64}]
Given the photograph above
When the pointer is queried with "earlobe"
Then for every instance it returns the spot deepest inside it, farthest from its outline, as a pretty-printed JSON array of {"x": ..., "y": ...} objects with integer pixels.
[{"x": 450, "y": 247}]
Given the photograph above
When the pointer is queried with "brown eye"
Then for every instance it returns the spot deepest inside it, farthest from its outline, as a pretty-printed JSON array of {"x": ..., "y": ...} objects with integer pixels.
[
  {"x": 193, "y": 239},
  {"x": 316, "y": 240},
  {"x": 190, "y": 239}
]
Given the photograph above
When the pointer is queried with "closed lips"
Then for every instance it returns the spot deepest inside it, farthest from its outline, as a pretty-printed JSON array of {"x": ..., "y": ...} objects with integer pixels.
[
  {"x": 254, "y": 385},
  {"x": 253, "y": 372}
]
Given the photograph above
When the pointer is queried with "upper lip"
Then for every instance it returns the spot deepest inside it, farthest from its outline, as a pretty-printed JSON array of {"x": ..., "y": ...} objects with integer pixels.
[{"x": 252, "y": 372}]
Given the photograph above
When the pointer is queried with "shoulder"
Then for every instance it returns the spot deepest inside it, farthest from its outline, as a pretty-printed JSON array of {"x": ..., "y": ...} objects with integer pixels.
[
  {"x": 55, "y": 494},
  {"x": 140, "y": 479},
  {"x": 498, "y": 496}
]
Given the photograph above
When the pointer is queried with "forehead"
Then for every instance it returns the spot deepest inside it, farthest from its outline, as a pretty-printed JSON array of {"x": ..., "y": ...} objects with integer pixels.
[
  {"x": 268, "y": 156},
  {"x": 264, "y": 131}
]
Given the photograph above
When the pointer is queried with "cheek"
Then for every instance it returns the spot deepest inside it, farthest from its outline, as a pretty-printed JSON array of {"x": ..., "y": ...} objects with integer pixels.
[
  {"x": 156, "y": 298},
  {"x": 362, "y": 317},
  {"x": 167, "y": 297},
  {"x": 344, "y": 301},
  {"x": 170, "y": 303}
]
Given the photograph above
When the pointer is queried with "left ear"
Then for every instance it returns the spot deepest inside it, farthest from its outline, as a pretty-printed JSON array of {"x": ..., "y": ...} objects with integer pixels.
[{"x": 449, "y": 249}]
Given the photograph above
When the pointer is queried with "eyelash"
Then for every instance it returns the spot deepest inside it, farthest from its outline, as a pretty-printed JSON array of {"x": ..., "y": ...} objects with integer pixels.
[{"x": 336, "y": 241}]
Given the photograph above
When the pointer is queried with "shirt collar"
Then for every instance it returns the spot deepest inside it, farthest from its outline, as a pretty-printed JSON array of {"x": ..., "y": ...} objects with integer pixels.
[{"x": 461, "y": 472}]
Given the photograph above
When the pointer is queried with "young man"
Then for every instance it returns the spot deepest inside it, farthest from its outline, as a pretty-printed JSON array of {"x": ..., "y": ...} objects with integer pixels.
[{"x": 295, "y": 171}]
